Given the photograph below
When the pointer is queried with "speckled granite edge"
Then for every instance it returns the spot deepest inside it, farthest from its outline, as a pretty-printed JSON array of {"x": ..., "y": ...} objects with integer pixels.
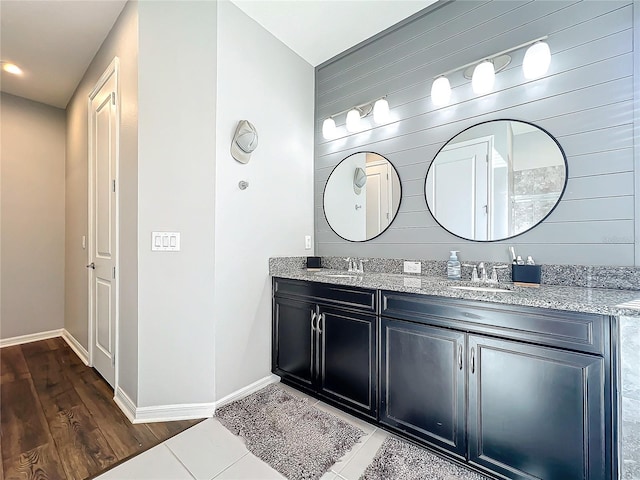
[
  {"x": 622, "y": 278},
  {"x": 573, "y": 299}
]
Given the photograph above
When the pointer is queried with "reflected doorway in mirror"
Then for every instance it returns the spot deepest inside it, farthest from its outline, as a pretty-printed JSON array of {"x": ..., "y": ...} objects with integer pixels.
[{"x": 362, "y": 196}]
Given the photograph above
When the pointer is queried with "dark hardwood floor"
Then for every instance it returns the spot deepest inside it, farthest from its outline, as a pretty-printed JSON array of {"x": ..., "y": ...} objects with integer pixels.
[{"x": 58, "y": 419}]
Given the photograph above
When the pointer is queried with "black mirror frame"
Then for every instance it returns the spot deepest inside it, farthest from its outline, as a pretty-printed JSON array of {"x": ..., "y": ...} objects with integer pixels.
[
  {"x": 564, "y": 187},
  {"x": 325, "y": 189}
]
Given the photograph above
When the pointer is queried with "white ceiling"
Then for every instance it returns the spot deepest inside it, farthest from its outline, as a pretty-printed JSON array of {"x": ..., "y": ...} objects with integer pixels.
[
  {"x": 318, "y": 30},
  {"x": 54, "y": 41}
]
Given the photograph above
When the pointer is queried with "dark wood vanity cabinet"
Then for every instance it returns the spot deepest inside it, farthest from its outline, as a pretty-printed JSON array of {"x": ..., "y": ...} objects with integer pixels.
[
  {"x": 324, "y": 340},
  {"x": 536, "y": 412},
  {"x": 423, "y": 383},
  {"x": 518, "y": 392},
  {"x": 533, "y": 404}
]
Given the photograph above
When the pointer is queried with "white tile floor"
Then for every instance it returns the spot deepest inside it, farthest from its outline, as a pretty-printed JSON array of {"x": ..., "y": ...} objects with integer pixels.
[{"x": 208, "y": 450}]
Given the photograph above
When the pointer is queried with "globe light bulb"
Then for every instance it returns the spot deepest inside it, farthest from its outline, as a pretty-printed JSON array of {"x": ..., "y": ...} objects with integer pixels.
[
  {"x": 536, "y": 60},
  {"x": 483, "y": 78},
  {"x": 381, "y": 111},
  {"x": 353, "y": 120},
  {"x": 329, "y": 128},
  {"x": 441, "y": 91}
]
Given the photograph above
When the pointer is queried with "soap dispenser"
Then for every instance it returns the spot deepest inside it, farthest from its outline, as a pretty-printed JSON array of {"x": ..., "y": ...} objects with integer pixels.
[{"x": 453, "y": 266}]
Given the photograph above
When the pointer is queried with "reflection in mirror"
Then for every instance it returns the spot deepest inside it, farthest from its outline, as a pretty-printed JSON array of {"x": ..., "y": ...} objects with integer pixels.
[
  {"x": 362, "y": 196},
  {"x": 496, "y": 180}
]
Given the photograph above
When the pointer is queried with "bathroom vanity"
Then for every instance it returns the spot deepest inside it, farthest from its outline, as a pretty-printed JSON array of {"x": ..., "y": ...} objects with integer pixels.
[{"x": 504, "y": 382}]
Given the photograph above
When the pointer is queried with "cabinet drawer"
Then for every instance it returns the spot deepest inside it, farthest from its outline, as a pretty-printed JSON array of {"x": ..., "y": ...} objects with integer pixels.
[
  {"x": 577, "y": 331},
  {"x": 329, "y": 294}
]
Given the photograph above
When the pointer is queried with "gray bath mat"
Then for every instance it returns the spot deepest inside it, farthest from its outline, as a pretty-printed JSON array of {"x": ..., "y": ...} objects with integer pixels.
[
  {"x": 299, "y": 441},
  {"x": 399, "y": 459}
]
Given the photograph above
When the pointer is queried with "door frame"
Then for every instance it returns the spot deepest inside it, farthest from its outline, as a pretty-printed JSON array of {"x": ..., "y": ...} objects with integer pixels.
[
  {"x": 385, "y": 163},
  {"x": 112, "y": 70}
]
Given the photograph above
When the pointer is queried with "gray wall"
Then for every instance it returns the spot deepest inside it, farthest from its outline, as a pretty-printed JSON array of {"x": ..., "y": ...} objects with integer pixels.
[
  {"x": 122, "y": 41},
  {"x": 585, "y": 101},
  {"x": 273, "y": 215},
  {"x": 32, "y": 147},
  {"x": 176, "y": 175}
]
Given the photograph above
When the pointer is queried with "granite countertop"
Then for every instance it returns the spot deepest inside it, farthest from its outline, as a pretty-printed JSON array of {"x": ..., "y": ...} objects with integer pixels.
[{"x": 575, "y": 299}]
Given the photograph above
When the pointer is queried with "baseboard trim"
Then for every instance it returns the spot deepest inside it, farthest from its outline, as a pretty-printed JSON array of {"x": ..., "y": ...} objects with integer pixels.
[
  {"x": 248, "y": 390},
  {"x": 169, "y": 413},
  {"x": 124, "y": 402},
  {"x": 183, "y": 411},
  {"x": 33, "y": 337},
  {"x": 76, "y": 346},
  {"x": 161, "y": 413}
]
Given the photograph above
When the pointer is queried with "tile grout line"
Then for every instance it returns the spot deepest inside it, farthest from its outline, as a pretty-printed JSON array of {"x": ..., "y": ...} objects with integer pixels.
[
  {"x": 355, "y": 452},
  {"x": 229, "y": 466},
  {"x": 178, "y": 459}
]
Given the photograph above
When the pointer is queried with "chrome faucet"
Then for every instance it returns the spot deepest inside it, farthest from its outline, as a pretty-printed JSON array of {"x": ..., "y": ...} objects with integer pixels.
[
  {"x": 483, "y": 277},
  {"x": 350, "y": 263},
  {"x": 494, "y": 272},
  {"x": 474, "y": 273},
  {"x": 360, "y": 268},
  {"x": 355, "y": 265},
  {"x": 483, "y": 272}
]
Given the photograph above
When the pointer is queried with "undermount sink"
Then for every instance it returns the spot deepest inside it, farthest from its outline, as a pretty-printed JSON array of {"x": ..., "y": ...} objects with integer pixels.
[
  {"x": 336, "y": 275},
  {"x": 481, "y": 289}
]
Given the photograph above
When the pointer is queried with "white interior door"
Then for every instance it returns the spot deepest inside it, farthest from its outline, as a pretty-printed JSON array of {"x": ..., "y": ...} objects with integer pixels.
[
  {"x": 459, "y": 190},
  {"x": 378, "y": 198},
  {"x": 103, "y": 152}
]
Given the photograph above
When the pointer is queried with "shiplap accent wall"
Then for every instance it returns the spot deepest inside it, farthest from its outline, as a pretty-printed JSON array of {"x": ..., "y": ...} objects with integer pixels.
[{"x": 585, "y": 101}]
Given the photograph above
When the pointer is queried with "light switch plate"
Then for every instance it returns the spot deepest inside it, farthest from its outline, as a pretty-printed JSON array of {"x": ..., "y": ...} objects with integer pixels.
[
  {"x": 412, "y": 267},
  {"x": 307, "y": 242},
  {"x": 165, "y": 241}
]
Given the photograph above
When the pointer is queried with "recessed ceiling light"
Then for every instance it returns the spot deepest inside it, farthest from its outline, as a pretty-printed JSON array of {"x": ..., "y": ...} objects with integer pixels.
[{"x": 11, "y": 68}]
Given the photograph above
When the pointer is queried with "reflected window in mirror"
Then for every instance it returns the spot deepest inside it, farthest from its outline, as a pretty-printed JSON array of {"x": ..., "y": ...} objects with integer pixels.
[
  {"x": 362, "y": 196},
  {"x": 496, "y": 180}
]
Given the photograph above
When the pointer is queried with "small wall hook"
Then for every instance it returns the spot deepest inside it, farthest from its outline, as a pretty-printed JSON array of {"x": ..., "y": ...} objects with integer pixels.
[{"x": 243, "y": 185}]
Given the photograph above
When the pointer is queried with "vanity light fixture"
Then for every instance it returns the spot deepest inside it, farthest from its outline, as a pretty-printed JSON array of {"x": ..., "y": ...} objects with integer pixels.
[
  {"x": 379, "y": 108},
  {"x": 482, "y": 72}
]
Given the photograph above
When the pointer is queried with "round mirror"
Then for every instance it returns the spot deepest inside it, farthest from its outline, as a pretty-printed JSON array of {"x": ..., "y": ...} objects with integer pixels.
[
  {"x": 362, "y": 196},
  {"x": 496, "y": 180}
]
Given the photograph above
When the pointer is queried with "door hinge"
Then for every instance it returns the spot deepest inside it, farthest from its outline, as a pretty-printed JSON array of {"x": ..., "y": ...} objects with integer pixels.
[
  {"x": 113, "y": 98},
  {"x": 114, "y": 272},
  {"x": 114, "y": 186}
]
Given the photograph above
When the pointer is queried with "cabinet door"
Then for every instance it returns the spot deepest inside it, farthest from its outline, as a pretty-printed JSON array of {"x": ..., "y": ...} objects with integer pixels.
[
  {"x": 536, "y": 412},
  {"x": 293, "y": 340},
  {"x": 348, "y": 371},
  {"x": 423, "y": 383}
]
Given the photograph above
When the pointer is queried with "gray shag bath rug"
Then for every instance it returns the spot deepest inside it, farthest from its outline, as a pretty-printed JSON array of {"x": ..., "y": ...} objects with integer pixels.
[
  {"x": 397, "y": 459},
  {"x": 299, "y": 441}
]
